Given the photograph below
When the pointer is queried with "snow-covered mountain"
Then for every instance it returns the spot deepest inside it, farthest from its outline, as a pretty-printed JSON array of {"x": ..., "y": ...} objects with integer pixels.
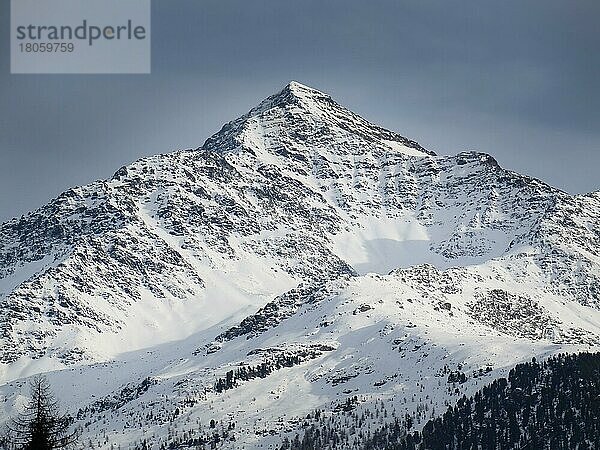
[{"x": 323, "y": 255}]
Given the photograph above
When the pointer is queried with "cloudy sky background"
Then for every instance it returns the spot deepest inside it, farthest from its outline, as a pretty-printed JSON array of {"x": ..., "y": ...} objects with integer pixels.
[{"x": 517, "y": 79}]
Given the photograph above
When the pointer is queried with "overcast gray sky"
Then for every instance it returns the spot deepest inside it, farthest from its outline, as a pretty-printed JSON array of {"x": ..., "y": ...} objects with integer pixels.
[{"x": 517, "y": 79}]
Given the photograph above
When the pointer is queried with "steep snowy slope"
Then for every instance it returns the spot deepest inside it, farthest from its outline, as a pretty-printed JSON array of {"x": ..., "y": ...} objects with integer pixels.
[{"x": 299, "y": 235}]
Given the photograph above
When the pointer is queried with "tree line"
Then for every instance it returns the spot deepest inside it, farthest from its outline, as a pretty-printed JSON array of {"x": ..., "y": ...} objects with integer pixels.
[{"x": 549, "y": 405}]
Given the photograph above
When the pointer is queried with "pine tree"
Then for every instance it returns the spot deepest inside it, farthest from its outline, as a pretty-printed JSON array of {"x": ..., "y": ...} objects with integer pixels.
[{"x": 41, "y": 426}]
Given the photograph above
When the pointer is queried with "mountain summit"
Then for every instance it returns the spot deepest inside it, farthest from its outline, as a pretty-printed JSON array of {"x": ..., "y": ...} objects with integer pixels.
[
  {"x": 304, "y": 122},
  {"x": 326, "y": 256}
]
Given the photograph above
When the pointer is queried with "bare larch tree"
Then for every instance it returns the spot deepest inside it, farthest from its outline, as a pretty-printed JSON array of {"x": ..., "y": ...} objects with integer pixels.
[{"x": 41, "y": 425}]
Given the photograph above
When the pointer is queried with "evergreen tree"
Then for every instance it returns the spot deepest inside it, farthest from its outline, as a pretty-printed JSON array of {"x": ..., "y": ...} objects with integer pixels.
[{"x": 41, "y": 426}]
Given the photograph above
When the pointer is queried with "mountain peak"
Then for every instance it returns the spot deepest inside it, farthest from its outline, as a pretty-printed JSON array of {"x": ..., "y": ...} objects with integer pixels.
[
  {"x": 293, "y": 84},
  {"x": 300, "y": 90},
  {"x": 300, "y": 116},
  {"x": 294, "y": 93}
]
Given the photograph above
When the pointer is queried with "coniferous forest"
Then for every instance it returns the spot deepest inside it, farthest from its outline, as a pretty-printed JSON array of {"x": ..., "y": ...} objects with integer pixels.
[{"x": 554, "y": 405}]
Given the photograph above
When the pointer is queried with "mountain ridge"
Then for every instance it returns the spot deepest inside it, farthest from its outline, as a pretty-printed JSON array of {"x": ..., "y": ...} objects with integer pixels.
[
  {"x": 104, "y": 213},
  {"x": 302, "y": 240}
]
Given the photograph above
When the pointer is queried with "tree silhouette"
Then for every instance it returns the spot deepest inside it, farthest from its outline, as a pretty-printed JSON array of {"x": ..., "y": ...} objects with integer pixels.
[{"x": 41, "y": 426}]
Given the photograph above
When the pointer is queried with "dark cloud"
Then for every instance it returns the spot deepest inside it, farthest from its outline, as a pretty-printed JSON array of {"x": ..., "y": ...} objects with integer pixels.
[{"x": 517, "y": 79}]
